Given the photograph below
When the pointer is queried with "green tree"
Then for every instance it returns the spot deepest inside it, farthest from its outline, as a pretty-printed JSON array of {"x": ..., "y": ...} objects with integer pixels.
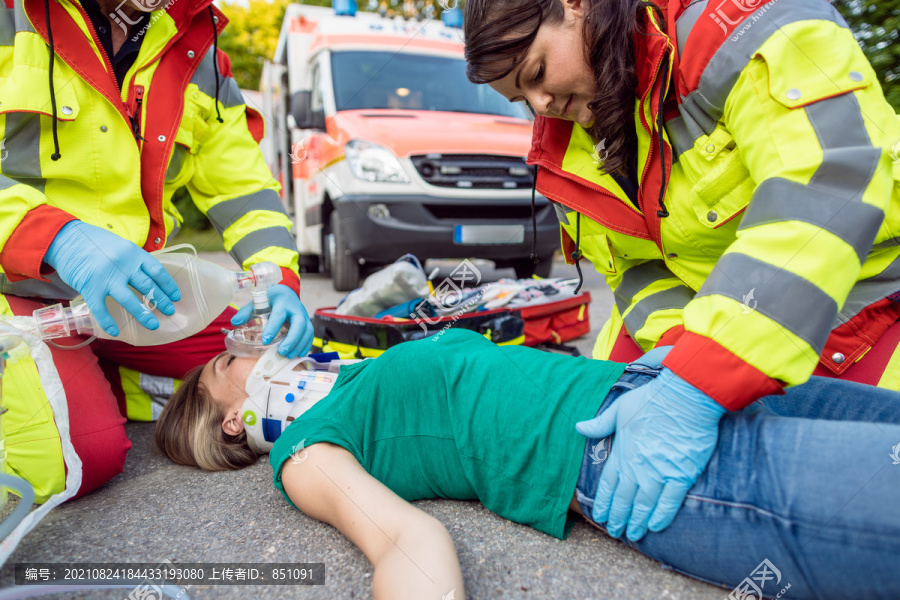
[
  {"x": 250, "y": 37},
  {"x": 875, "y": 26}
]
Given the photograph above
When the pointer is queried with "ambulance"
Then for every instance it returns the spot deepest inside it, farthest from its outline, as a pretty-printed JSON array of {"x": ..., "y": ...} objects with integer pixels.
[{"x": 383, "y": 147}]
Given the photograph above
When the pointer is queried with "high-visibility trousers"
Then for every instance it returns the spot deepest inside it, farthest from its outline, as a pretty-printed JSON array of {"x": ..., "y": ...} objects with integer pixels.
[{"x": 99, "y": 390}]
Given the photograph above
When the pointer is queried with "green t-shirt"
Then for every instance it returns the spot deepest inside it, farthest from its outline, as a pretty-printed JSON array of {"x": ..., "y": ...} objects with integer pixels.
[{"x": 457, "y": 416}]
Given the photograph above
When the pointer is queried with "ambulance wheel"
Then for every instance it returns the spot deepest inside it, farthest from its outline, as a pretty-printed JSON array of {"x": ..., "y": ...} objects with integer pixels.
[
  {"x": 343, "y": 265},
  {"x": 525, "y": 267},
  {"x": 309, "y": 263}
]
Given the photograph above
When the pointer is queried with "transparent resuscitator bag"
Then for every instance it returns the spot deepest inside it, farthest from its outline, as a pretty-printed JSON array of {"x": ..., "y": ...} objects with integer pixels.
[{"x": 206, "y": 290}]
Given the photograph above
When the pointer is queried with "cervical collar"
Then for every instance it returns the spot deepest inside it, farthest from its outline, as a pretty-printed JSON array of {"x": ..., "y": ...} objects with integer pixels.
[{"x": 279, "y": 390}]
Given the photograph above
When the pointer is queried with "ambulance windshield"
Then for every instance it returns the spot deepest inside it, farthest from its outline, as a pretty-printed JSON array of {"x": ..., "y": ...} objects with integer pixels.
[{"x": 370, "y": 80}]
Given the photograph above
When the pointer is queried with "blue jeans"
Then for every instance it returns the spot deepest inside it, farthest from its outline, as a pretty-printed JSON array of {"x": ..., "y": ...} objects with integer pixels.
[{"x": 802, "y": 491}]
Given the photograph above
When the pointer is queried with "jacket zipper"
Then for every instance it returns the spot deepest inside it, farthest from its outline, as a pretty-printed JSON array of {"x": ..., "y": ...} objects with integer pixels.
[{"x": 135, "y": 116}]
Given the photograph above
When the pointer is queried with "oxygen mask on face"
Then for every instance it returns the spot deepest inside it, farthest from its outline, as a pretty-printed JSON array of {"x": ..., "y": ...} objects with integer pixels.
[
  {"x": 281, "y": 389},
  {"x": 246, "y": 339}
]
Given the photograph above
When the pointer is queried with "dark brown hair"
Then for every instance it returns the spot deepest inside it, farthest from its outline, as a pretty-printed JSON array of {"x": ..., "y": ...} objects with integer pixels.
[
  {"x": 189, "y": 430},
  {"x": 499, "y": 33}
]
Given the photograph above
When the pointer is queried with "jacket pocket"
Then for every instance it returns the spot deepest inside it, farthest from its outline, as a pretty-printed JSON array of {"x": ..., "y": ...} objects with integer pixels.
[
  {"x": 27, "y": 90},
  {"x": 598, "y": 249},
  {"x": 725, "y": 189},
  {"x": 194, "y": 128},
  {"x": 840, "y": 66}
]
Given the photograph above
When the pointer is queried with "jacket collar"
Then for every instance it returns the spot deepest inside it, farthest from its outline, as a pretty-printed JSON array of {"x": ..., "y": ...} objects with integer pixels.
[{"x": 181, "y": 12}]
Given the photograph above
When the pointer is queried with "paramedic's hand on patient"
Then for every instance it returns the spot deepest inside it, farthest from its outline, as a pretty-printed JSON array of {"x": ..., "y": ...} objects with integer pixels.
[
  {"x": 286, "y": 306},
  {"x": 666, "y": 431},
  {"x": 97, "y": 263},
  {"x": 655, "y": 357}
]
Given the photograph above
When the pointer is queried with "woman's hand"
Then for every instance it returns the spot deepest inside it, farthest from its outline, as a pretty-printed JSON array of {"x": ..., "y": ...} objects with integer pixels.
[
  {"x": 654, "y": 358},
  {"x": 666, "y": 432},
  {"x": 286, "y": 306},
  {"x": 97, "y": 263}
]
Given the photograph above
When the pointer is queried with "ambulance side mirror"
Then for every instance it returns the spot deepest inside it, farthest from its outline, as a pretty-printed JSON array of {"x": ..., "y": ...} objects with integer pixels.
[{"x": 302, "y": 113}]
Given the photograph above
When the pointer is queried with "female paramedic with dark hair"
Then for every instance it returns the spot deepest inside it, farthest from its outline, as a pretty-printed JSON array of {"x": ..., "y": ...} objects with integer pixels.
[
  {"x": 456, "y": 416},
  {"x": 726, "y": 165}
]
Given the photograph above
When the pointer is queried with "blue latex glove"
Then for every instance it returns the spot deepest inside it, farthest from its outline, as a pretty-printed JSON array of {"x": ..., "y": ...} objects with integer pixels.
[
  {"x": 286, "y": 306},
  {"x": 655, "y": 357},
  {"x": 97, "y": 263},
  {"x": 666, "y": 431}
]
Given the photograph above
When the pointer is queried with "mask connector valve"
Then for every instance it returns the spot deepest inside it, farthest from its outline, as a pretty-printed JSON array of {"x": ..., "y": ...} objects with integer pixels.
[{"x": 247, "y": 339}]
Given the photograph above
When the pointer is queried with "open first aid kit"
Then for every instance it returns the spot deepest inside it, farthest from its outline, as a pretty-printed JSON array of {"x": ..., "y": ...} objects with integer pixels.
[{"x": 399, "y": 304}]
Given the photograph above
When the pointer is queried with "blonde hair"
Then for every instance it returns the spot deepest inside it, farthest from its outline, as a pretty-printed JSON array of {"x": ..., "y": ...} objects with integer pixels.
[{"x": 189, "y": 430}]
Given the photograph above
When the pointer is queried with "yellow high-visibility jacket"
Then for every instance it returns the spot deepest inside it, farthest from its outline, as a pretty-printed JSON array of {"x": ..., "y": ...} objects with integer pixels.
[
  {"x": 772, "y": 239},
  {"x": 125, "y": 153}
]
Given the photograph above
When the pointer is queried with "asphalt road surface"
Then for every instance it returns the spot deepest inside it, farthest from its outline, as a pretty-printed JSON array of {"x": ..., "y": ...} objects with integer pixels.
[{"x": 156, "y": 511}]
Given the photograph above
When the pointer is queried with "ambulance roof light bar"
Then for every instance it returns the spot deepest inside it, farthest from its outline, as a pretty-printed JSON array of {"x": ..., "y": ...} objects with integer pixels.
[{"x": 346, "y": 8}]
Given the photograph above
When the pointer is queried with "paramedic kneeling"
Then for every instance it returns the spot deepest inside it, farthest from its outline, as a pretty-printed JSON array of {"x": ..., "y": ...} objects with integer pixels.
[{"x": 98, "y": 138}]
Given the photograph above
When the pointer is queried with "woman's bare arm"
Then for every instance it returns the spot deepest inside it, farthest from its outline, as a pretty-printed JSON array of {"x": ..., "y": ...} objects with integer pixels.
[{"x": 411, "y": 551}]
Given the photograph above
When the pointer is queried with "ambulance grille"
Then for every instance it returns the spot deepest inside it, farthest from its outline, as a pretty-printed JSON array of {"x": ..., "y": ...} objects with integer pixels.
[{"x": 474, "y": 171}]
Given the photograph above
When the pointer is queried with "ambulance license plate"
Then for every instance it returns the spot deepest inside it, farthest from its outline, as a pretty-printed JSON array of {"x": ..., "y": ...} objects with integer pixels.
[{"x": 489, "y": 234}]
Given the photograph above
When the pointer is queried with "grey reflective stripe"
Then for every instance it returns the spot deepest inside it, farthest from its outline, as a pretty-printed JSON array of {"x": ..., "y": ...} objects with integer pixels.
[
  {"x": 8, "y": 27},
  {"x": 8, "y": 182},
  {"x": 250, "y": 244},
  {"x": 685, "y": 23},
  {"x": 205, "y": 78},
  {"x": 638, "y": 278},
  {"x": 676, "y": 297},
  {"x": 22, "y": 22},
  {"x": 679, "y": 136},
  {"x": 832, "y": 200},
  {"x": 776, "y": 200},
  {"x": 229, "y": 93},
  {"x": 179, "y": 155},
  {"x": 794, "y": 302},
  {"x": 887, "y": 244},
  {"x": 561, "y": 213},
  {"x": 20, "y": 160},
  {"x": 850, "y": 159},
  {"x": 867, "y": 291},
  {"x": 703, "y": 107},
  {"x": 225, "y": 214},
  {"x": 35, "y": 288}
]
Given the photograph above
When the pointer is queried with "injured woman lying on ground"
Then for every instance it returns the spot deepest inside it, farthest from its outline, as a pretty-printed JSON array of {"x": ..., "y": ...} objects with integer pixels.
[{"x": 798, "y": 479}]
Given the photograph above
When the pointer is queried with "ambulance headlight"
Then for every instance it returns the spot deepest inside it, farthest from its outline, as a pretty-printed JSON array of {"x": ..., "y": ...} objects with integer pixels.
[{"x": 371, "y": 162}]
